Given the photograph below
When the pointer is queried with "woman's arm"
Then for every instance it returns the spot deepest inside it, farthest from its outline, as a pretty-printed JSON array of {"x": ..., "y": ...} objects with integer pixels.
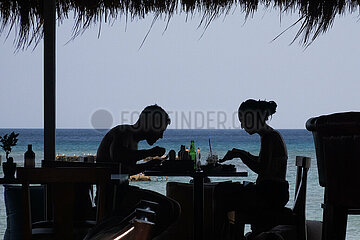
[
  {"x": 252, "y": 161},
  {"x": 248, "y": 159},
  {"x": 265, "y": 156}
]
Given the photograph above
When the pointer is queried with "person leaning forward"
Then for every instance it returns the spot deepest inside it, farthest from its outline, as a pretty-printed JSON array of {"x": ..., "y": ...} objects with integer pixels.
[
  {"x": 120, "y": 145},
  {"x": 271, "y": 190}
]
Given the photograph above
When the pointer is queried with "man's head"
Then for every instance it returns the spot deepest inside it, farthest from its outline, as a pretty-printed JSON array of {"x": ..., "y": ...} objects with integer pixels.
[{"x": 152, "y": 123}]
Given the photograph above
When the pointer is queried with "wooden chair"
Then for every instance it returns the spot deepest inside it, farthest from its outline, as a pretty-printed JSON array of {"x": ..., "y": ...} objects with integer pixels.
[
  {"x": 137, "y": 226},
  {"x": 337, "y": 144},
  {"x": 15, "y": 212},
  {"x": 82, "y": 189},
  {"x": 140, "y": 228},
  {"x": 183, "y": 194},
  {"x": 63, "y": 181},
  {"x": 294, "y": 216},
  {"x": 137, "y": 230}
]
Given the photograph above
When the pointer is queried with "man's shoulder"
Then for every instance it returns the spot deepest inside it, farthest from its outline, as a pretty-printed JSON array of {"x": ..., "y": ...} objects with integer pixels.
[{"x": 121, "y": 131}]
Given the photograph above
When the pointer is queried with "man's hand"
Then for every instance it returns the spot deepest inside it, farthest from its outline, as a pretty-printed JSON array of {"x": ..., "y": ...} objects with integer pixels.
[
  {"x": 157, "y": 151},
  {"x": 154, "y": 163}
]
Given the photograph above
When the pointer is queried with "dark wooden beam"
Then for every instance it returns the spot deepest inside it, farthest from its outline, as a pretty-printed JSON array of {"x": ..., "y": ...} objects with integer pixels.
[{"x": 49, "y": 79}]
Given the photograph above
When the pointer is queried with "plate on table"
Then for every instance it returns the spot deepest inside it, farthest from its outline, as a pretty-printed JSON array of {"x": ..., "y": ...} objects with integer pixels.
[
  {"x": 219, "y": 168},
  {"x": 177, "y": 165}
]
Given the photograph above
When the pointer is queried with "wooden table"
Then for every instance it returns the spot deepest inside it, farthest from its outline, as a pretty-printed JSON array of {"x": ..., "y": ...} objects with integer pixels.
[
  {"x": 198, "y": 199},
  {"x": 63, "y": 181},
  {"x": 9, "y": 181}
]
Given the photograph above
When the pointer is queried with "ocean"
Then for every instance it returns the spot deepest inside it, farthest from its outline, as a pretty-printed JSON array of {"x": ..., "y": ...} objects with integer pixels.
[{"x": 86, "y": 141}]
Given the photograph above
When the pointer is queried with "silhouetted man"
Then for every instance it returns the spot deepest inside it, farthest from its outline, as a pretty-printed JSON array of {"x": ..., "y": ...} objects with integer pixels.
[{"x": 120, "y": 145}]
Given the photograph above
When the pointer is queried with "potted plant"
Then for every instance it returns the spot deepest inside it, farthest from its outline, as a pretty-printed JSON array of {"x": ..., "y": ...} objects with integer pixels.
[{"x": 6, "y": 143}]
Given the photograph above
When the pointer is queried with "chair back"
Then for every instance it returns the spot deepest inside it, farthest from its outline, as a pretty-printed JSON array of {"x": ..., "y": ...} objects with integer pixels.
[
  {"x": 303, "y": 164},
  {"x": 342, "y": 154},
  {"x": 138, "y": 229},
  {"x": 56, "y": 164},
  {"x": 136, "y": 226},
  {"x": 183, "y": 194},
  {"x": 337, "y": 144},
  {"x": 15, "y": 209}
]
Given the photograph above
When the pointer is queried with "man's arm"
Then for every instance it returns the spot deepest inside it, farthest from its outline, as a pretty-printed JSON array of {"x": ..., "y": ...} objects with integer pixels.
[
  {"x": 129, "y": 156},
  {"x": 138, "y": 168}
]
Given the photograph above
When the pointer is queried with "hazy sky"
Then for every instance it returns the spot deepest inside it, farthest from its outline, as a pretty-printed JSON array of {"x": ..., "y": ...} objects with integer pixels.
[{"x": 185, "y": 74}]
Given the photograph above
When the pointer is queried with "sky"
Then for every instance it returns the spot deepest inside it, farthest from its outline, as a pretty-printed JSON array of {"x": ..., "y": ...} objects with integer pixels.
[{"x": 200, "y": 77}]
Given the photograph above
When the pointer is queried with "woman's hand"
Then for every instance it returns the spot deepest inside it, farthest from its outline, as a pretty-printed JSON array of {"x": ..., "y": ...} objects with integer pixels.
[
  {"x": 234, "y": 153},
  {"x": 242, "y": 154},
  {"x": 228, "y": 156}
]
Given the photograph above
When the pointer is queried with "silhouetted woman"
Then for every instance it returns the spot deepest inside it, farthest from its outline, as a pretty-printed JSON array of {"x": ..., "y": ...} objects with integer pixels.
[{"x": 271, "y": 187}]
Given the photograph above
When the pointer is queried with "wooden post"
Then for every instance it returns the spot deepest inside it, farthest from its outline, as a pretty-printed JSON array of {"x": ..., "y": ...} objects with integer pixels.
[
  {"x": 198, "y": 199},
  {"x": 27, "y": 210},
  {"x": 49, "y": 79}
]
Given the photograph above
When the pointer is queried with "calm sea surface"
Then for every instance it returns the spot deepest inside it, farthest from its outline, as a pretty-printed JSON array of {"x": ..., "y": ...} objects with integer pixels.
[{"x": 85, "y": 141}]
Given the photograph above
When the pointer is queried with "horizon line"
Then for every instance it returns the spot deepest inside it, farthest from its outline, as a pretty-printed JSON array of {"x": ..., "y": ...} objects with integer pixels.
[{"x": 165, "y": 130}]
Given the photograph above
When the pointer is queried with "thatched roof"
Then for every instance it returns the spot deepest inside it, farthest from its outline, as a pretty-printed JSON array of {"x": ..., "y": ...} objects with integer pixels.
[{"x": 26, "y": 16}]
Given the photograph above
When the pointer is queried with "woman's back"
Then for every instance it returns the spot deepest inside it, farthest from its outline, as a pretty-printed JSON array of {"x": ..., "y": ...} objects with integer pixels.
[{"x": 273, "y": 157}]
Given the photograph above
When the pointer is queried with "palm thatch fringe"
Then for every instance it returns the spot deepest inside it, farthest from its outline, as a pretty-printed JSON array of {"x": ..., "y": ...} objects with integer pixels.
[{"x": 26, "y": 16}]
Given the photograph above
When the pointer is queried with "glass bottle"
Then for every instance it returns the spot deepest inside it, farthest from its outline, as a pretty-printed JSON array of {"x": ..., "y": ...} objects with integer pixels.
[
  {"x": 198, "y": 156},
  {"x": 181, "y": 153},
  {"x": 186, "y": 154},
  {"x": 192, "y": 153},
  {"x": 29, "y": 157}
]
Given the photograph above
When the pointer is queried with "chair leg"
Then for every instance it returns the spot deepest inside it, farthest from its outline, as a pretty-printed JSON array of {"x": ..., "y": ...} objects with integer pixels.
[
  {"x": 334, "y": 222},
  {"x": 239, "y": 231},
  {"x": 239, "y": 228}
]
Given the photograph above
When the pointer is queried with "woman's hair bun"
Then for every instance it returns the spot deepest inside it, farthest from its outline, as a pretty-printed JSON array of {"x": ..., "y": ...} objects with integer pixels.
[
  {"x": 267, "y": 107},
  {"x": 272, "y": 107}
]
